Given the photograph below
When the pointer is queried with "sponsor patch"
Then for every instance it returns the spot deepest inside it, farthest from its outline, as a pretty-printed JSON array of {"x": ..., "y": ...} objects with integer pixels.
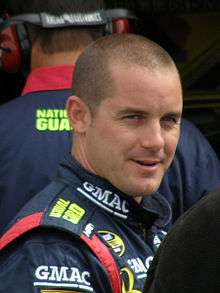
[
  {"x": 106, "y": 199},
  {"x": 114, "y": 241},
  {"x": 66, "y": 210}
]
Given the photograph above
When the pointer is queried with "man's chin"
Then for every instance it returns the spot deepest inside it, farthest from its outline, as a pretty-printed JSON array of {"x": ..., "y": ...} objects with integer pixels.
[
  {"x": 147, "y": 190},
  {"x": 135, "y": 186}
]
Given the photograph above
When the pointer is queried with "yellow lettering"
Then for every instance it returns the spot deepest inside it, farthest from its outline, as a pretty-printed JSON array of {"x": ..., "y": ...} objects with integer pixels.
[
  {"x": 64, "y": 124},
  {"x": 53, "y": 124},
  {"x": 41, "y": 113},
  {"x": 52, "y": 120},
  {"x": 56, "y": 113},
  {"x": 41, "y": 124},
  {"x": 50, "y": 113}
]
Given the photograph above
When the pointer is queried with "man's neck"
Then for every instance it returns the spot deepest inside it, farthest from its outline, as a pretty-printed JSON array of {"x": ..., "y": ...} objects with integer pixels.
[{"x": 40, "y": 59}]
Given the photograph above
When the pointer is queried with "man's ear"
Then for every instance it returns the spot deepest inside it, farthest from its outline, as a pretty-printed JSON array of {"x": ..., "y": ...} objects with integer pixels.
[{"x": 78, "y": 114}]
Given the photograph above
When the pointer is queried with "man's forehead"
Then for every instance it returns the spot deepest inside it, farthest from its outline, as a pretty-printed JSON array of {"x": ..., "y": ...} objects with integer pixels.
[
  {"x": 136, "y": 90},
  {"x": 119, "y": 69},
  {"x": 122, "y": 73}
]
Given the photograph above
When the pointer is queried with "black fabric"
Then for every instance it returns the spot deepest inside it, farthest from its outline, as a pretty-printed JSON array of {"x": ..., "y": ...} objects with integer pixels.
[{"x": 189, "y": 258}]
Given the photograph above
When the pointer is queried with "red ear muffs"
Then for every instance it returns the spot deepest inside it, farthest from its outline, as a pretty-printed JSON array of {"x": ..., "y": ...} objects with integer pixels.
[
  {"x": 14, "y": 45},
  {"x": 10, "y": 50},
  {"x": 121, "y": 26},
  {"x": 120, "y": 21}
]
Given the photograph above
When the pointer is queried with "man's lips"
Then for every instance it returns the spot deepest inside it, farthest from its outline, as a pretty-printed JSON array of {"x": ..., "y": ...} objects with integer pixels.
[{"x": 147, "y": 163}]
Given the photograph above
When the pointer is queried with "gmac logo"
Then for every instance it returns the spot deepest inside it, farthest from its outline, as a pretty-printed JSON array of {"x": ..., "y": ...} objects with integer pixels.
[
  {"x": 106, "y": 199},
  {"x": 61, "y": 276}
]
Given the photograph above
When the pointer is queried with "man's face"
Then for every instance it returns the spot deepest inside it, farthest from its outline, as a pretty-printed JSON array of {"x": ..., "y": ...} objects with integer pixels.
[{"x": 134, "y": 133}]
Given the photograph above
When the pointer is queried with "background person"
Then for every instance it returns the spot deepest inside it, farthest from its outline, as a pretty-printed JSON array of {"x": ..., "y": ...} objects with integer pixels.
[
  {"x": 126, "y": 116},
  {"x": 34, "y": 127}
]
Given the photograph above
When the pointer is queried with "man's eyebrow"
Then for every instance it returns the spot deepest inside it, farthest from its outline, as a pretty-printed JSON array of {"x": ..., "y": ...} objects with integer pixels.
[
  {"x": 131, "y": 111},
  {"x": 176, "y": 113}
]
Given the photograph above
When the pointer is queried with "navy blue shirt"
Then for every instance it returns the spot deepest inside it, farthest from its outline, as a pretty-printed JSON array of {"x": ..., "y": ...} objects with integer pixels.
[
  {"x": 35, "y": 136},
  {"x": 194, "y": 172}
]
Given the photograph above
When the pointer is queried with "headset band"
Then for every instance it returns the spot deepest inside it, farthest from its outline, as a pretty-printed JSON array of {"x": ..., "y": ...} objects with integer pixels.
[
  {"x": 73, "y": 19},
  {"x": 46, "y": 20}
]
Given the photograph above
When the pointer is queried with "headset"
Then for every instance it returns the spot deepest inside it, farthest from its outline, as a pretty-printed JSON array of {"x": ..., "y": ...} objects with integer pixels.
[{"x": 15, "y": 44}]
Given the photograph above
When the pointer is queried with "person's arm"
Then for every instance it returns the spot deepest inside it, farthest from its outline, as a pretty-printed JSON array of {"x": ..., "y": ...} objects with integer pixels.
[
  {"x": 200, "y": 161},
  {"x": 194, "y": 172},
  {"x": 54, "y": 263}
]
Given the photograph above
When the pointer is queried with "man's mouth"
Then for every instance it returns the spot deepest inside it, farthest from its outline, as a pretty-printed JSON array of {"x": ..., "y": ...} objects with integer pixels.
[{"x": 147, "y": 163}]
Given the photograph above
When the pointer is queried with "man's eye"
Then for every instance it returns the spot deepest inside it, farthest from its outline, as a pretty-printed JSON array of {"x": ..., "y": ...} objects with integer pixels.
[
  {"x": 134, "y": 117},
  {"x": 171, "y": 120}
]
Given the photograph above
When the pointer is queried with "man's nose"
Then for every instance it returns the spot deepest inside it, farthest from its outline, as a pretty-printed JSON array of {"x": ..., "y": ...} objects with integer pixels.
[{"x": 153, "y": 136}]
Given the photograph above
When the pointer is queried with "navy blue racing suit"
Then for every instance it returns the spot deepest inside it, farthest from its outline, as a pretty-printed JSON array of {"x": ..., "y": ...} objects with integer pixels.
[{"x": 52, "y": 256}]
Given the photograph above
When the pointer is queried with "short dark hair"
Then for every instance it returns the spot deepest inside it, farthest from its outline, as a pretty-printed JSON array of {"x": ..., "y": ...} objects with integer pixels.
[
  {"x": 59, "y": 39},
  {"x": 92, "y": 80}
]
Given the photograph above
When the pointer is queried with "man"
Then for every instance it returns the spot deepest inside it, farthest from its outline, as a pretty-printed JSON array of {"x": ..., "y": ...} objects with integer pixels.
[
  {"x": 34, "y": 127},
  {"x": 43, "y": 130},
  {"x": 188, "y": 259},
  {"x": 125, "y": 111}
]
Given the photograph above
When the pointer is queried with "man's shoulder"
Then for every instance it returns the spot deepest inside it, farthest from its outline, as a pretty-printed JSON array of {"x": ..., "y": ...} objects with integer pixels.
[
  {"x": 46, "y": 239},
  {"x": 57, "y": 207}
]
